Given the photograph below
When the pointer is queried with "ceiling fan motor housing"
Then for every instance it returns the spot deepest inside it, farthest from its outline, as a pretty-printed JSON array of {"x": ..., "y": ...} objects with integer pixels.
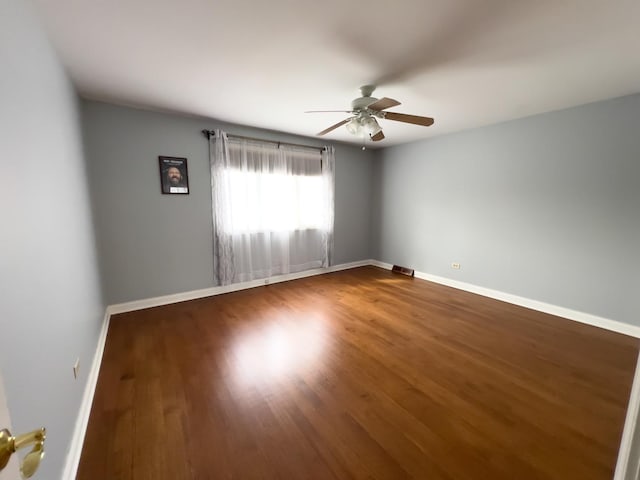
[
  {"x": 362, "y": 102},
  {"x": 365, "y": 100}
]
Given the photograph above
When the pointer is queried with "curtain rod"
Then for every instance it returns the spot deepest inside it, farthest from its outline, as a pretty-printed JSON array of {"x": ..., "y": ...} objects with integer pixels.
[{"x": 208, "y": 133}]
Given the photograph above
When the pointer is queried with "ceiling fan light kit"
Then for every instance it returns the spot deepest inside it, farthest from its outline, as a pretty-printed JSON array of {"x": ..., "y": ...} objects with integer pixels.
[
  {"x": 363, "y": 125},
  {"x": 353, "y": 126},
  {"x": 366, "y": 109}
]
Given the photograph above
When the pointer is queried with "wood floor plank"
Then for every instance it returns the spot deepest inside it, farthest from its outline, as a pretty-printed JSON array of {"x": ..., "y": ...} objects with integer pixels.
[{"x": 360, "y": 374}]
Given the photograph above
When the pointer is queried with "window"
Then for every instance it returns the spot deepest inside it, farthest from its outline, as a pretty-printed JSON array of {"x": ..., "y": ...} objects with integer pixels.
[
  {"x": 275, "y": 202},
  {"x": 272, "y": 208}
]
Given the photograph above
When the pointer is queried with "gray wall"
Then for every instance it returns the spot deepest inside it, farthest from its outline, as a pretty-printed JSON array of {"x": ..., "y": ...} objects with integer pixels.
[
  {"x": 152, "y": 244},
  {"x": 52, "y": 310},
  {"x": 546, "y": 207}
]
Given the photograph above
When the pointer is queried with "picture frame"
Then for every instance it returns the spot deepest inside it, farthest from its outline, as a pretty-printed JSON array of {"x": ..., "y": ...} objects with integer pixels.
[{"x": 174, "y": 175}]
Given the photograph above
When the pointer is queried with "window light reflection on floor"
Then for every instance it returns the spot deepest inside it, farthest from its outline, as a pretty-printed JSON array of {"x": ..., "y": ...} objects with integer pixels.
[{"x": 278, "y": 351}]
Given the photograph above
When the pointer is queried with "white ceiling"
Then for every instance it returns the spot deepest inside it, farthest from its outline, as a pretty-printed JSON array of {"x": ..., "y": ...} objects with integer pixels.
[{"x": 263, "y": 63}]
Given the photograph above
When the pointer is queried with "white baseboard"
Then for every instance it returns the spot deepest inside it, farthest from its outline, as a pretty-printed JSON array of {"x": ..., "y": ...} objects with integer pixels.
[
  {"x": 606, "y": 323},
  {"x": 627, "y": 464},
  {"x": 211, "y": 291},
  {"x": 80, "y": 429},
  {"x": 601, "y": 322},
  {"x": 378, "y": 263}
]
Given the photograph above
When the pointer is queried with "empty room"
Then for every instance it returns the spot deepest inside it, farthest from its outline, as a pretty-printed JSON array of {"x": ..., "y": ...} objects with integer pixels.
[{"x": 320, "y": 240}]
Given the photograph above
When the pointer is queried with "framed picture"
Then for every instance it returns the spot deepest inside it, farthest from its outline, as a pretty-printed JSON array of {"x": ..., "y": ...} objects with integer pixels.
[{"x": 174, "y": 177}]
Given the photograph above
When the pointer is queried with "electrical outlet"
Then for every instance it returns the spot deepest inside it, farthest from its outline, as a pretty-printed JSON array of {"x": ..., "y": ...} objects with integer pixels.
[
  {"x": 455, "y": 265},
  {"x": 76, "y": 368}
]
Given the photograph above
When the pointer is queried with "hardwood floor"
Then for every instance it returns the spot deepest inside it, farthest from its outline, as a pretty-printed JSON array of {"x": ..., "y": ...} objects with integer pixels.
[{"x": 360, "y": 374}]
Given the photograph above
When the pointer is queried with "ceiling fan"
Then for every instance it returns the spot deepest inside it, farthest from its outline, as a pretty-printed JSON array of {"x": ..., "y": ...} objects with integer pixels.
[{"x": 366, "y": 109}]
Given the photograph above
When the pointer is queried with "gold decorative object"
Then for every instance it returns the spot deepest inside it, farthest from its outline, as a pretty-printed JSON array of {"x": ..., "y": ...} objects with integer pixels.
[{"x": 9, "y": 445}]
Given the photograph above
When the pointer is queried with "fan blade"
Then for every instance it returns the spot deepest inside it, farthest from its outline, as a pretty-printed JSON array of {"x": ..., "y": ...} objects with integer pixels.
[
  {"x": 328, "y": 111},
  {"x": 333, "y": 127},
  {"x": 403, "y": 117},
  {"x": 378, "y": 136},
  {"x": 383, "y": 103}
]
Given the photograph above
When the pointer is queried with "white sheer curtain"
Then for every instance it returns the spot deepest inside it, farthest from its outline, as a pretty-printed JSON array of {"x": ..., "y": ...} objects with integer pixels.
[{"x": 273, "y": 208}]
